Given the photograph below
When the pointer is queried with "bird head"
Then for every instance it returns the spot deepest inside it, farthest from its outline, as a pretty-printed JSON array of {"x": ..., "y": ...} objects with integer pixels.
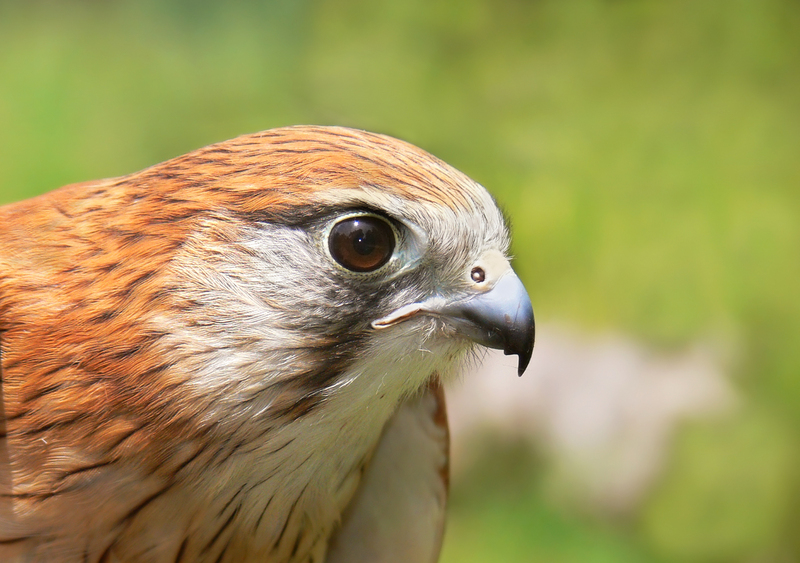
[
  {"x": 314, "y": 249},
  {"x": 283, "y": 265}
]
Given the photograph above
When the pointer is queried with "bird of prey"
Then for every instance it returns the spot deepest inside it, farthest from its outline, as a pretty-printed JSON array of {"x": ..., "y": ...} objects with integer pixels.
[{"x": 237, "y": 355}]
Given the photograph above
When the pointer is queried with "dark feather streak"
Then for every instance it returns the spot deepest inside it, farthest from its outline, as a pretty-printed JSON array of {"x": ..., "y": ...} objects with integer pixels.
[
  {"x": 221, "y": 530},
  {"x": 139, "y": 507}
]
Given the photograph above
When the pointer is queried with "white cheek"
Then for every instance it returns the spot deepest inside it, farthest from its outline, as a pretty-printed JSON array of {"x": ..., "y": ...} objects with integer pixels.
[{"x": 416, "y": 349}]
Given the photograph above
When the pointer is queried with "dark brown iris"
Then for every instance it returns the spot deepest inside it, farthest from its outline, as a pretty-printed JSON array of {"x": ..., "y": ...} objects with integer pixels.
[{"x": 362, "y": 244}]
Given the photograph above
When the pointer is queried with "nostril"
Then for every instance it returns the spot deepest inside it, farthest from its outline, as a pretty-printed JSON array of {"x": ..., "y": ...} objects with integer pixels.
[{"x": 478, "y": 275}]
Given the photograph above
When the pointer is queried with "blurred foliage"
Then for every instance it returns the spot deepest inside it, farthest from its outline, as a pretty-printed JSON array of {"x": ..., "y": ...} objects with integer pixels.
[
  {"x": 500, "y": 511},
  {"x": 646, "y": 152},
  {"x": 726, "y": 494}
]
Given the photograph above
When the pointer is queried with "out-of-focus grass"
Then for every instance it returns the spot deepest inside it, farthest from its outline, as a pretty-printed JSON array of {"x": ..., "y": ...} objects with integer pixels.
[{"x": 647, "y": 154}]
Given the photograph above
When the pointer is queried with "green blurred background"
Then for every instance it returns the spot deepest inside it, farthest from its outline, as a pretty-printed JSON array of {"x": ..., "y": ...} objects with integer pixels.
[{"x": 648, "y": 154}]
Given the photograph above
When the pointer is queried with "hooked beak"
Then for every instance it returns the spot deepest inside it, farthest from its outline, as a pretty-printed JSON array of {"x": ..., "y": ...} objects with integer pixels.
[{"x": 501, "y": 317}]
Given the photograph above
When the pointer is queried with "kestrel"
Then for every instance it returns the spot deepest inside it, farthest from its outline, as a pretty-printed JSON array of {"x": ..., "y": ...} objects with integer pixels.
[{"x": 237, "y": 355}]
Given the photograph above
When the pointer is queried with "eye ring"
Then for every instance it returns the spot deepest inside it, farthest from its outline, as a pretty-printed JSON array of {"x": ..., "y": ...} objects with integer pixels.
[{"x": 362, "y": 243}]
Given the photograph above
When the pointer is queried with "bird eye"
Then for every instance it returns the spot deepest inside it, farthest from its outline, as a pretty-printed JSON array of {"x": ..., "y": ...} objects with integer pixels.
[{"x": 362, "y": 244}]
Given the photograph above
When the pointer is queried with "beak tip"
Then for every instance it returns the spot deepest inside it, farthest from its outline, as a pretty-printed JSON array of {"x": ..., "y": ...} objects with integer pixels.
[
  {"x": 524, "y": 358},
  {"x": 525, "y": 351},
  {"x": 523, "y": 344}
]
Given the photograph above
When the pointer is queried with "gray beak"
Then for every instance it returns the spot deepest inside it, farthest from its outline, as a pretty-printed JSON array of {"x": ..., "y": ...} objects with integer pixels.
[{"x": 501, "y": 318}]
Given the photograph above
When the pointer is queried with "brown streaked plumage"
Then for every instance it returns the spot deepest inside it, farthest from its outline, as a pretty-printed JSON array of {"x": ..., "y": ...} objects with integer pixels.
[{"x": 189, "y": 375}]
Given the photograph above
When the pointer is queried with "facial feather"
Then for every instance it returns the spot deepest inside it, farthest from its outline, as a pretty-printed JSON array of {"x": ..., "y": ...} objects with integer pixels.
[{"x": 181, "y": 337}]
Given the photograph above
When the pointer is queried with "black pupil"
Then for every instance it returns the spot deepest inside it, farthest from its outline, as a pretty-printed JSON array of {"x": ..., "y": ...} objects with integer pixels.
[{"x": 362, "y": 244}]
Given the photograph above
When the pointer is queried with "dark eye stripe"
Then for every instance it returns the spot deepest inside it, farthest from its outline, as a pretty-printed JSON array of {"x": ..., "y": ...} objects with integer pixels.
[{"x": 362, "y": 243}]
